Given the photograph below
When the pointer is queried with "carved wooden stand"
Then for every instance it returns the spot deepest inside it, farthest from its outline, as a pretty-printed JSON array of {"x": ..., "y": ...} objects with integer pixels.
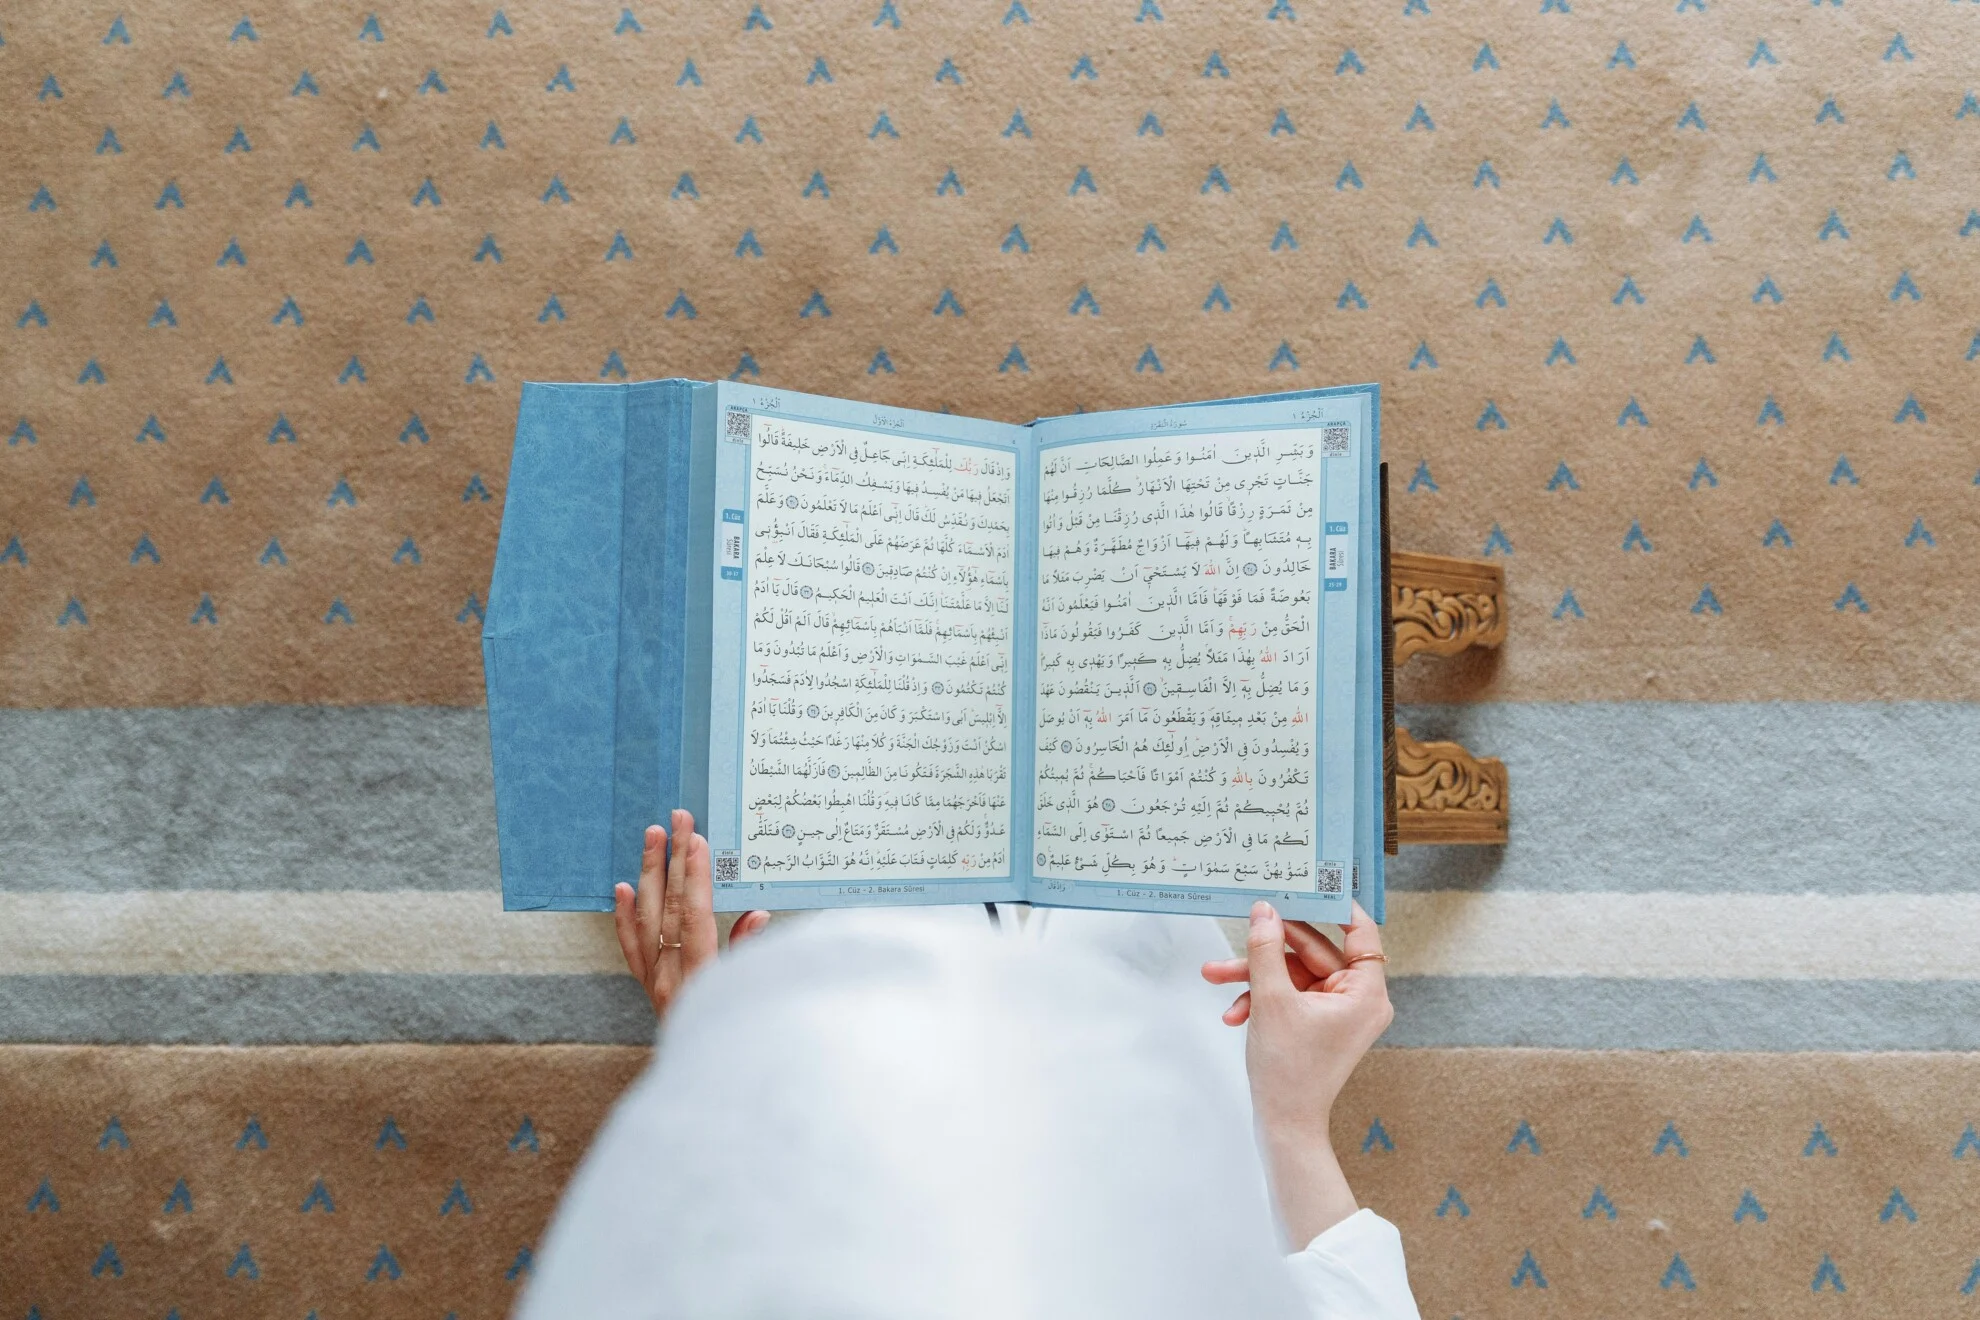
[{"x": 1439, "y": 792}]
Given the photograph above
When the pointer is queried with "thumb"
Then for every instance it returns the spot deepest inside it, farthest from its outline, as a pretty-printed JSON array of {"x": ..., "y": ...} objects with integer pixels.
[{"x": 1265, "y": 950}]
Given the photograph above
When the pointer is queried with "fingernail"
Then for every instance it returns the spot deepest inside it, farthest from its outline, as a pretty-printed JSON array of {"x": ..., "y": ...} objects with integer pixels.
[{"x": 1260, "y": 911}]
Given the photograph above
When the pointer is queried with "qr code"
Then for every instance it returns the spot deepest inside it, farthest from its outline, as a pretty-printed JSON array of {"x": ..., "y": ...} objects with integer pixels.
[
  {"x": 1333, "y": 441},
  {"x": 736, "y": 428},
  {"x": 728, "y": 868},
  {"x": 1329, "y": 877}
]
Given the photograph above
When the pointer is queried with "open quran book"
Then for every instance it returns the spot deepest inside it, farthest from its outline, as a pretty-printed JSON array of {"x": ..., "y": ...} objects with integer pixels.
[{"x": 1119, "y": 660}]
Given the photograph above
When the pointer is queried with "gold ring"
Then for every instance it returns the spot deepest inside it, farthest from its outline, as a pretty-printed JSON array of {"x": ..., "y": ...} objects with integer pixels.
[
  {"x": 665, "y": 945},
  {"x": 1368, "y": 957}
]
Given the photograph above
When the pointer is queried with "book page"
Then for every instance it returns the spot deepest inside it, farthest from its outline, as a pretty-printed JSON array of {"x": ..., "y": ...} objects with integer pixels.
[
  {"x": 876, "y": 683},
  {"x": 1179, "y": 651}
]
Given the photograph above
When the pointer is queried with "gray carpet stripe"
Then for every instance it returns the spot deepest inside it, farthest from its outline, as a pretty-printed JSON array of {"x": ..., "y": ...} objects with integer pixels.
[
  {"x": 328, "y": 1009},
  {"x": 1695, "y": 797},
  {"x": 1598, "y": 1013},
  {"x": 1688, "y": 797},
  {"x": 254, "y": 797},
  {"x": 1556, "y": 1012}
]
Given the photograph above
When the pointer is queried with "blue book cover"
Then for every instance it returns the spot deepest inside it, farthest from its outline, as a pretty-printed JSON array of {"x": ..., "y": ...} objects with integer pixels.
[{"x": 1121, "y": 660}]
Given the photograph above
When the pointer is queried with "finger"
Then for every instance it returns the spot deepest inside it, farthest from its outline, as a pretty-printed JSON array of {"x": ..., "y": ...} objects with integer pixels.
[
  {"x": 1239, "y": 1011},
  {"x": 674, "y": 898},
  {"x": 1265, "y": 951},
  {"x": 626, "y": 926},
  {"x": 652, "y": 884},
  {"x": 748, "y": 924},
  {"x": 1314, "y": 948},
  {"x": 699, "y": 939},
  {"x": 1234, "y": 970},
  {"x": 1230, "y": 971},
  {"x": 1226, "y": 971},
  {"x": 1363, "y": 937}
]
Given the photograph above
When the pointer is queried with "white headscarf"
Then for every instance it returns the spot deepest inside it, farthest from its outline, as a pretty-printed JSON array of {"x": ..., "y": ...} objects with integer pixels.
[{"x": 883, "y": 1117}]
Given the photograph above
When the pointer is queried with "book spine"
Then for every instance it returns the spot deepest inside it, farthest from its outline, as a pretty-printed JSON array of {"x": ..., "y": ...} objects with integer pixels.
[
  {"x": 1024, "y": 665},
  {"x": 1389, "y": 828},
  {"x": 697, "y": 500}
]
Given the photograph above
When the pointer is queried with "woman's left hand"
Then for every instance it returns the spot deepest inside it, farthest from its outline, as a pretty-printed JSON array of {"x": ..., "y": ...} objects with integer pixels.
[
  {"x": 667, "y": 927},
  {"x": 1314, "y": 1008}
]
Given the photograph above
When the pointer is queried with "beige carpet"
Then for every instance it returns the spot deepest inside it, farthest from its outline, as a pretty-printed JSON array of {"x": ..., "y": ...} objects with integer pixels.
[{"x": 1674, "y": 308}]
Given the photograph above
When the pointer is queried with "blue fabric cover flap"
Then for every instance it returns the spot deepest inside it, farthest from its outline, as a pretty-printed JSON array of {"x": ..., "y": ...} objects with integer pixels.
[{"x": 583, "y": 718}]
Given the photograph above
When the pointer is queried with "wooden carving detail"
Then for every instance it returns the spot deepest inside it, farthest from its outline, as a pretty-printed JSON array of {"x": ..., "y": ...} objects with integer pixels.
[
  {"x": 1443, "y": 606},
  {"x": 1444, "y": 794}
]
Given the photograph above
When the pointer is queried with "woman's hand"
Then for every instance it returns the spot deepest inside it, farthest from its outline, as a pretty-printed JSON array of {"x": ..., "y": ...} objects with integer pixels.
[
  {"x": 667, "y": 929},
  {"x": 1314, "y": 1009}
]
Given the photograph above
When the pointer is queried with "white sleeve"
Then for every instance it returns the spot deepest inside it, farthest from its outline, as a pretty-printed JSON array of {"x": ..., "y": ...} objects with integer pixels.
[{"x": 1354, "y": 1271}]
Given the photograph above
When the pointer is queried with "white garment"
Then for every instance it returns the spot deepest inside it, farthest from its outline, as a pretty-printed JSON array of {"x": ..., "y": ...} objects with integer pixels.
[
  {"x": 887, "y": 1116},
  {"x": 1354, "y": 1271}
]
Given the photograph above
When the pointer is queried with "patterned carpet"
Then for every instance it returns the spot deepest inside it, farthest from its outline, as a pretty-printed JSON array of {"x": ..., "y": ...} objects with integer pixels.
[{"x": 1676, "y": 310}]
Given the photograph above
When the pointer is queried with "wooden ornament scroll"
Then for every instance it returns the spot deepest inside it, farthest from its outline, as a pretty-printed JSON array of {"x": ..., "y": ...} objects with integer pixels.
[{"x": 1437, "y": 792}]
